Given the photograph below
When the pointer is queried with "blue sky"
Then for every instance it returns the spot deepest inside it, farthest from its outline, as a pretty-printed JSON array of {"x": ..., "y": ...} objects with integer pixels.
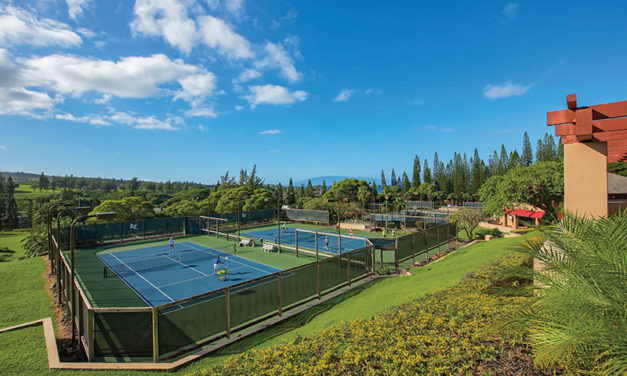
[{"x": 186, "y": 90}]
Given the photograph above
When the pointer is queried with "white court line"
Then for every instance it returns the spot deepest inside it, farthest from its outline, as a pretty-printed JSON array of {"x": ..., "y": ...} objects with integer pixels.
[
  {"x": 142, "y": 277},
  {"x": 193, "y": 279},
  {"x": 241, "y": 263},
  {"x": 185, "y": 265}
]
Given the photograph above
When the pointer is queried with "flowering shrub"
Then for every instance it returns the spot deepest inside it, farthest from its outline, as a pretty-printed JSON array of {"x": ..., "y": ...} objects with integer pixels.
[{"x": 447, "y": 333}]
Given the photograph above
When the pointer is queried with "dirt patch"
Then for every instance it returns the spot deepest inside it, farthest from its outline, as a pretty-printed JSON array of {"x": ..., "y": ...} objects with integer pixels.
[
  {"x": 61, "y": 318},
  {"x": 513, "y": 361}
]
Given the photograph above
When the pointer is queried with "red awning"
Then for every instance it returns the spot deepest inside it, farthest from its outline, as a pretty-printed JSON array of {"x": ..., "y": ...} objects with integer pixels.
[{"x": 524, "y": 213}]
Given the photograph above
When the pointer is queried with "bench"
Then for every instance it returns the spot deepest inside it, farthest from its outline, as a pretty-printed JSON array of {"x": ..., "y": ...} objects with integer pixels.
[
  {"x": 267, "y": 247},
  {"x": 246, "y": 242}
]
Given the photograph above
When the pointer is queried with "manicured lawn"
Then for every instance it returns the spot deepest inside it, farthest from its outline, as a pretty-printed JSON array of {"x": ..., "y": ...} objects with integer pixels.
[
  {"x": 26, "y": 191},
  {"x": 11, "y": 246},
  {"x": 362, "y": 302}
]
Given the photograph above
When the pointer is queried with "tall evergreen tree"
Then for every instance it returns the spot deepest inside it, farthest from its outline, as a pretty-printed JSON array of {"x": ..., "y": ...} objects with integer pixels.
[
  {"x": 279, "y": 193},
  {"x": 436, "y": 172},
  {"x": 427, "y": 173},
  {"x": 493, "y": 164},
  {"x": 2, "y": 202},
  {"x": 405, "y": 184},
  {"x": 393, "y": 180},
  {"x": 514, "y": 159},
  {"x": 309, "y": 191},
  {"x": 324, "y": 188},
  {"x": 540, "y": 151},
  {"x": 383, "y": 184},
  {"x": 477, "y": 173},
  {"x": 301, "y": 191},
  {"x": 43, "y": 182},
  {"x": 11, "y": 204},
  {"x": 527, "y": 153},
  {"x": 560, "y": 150},
  {"x": 291, "y": 194},
  {"x": 415, "y": 177},
  {"x": 550, "y": 151},
  {"x": 442, "y": 178},
  {"x": 503, "y": 160}
]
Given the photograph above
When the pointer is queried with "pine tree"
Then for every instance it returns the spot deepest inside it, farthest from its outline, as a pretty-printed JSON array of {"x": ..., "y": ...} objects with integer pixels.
[
  {"x": 427, "y": 173},
  {"x": 11, "y": 205},
  {"x": 493, "y": 164},
  {"x": 301, "y": 191},
  {"x": 43, "y": 182},
  {"x": 477, "y": 174},
  {"x": 291, "y": 195},
  {"x": 323, "y": 189},
  {"x": 540, "y": 151},
  {"x": 2, "y": 202},
  {"x": 383, "y": 184},
  {"x": 503, "y": 161},
  {"x": 415, "y": 177},
  {"x": 436, "y": 171},
  {"x": 560, "y": 150},
  {"x": 443, "y": 178},
  {"x": 393, "y": 180},
  {"x": 527, "y": 153},
  {"x": 405, "y": 184},
  {"x": 514, "y": 159},
  {"x": 309, "y": 192},
  {"x": 550, "y": 151}
]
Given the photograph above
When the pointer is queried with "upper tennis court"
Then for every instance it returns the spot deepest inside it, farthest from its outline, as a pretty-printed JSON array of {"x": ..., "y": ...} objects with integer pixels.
[{"x": 307, "y": 239}]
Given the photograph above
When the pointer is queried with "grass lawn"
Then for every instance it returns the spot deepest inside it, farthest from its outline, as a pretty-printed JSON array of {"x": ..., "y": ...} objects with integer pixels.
[
  {"x": 362, "y": 302},
  {"x": 11, "y": 246},
  {"x": 26, "y": 191}
]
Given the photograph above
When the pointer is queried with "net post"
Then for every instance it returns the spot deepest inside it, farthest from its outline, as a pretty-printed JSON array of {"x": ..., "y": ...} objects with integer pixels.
[
  {"x": 296, "y": 240},
  {"x": 90, "y": 335},
  {"x": 348, "y": 267},
  {"x": 227, "y": 302},
  {"x": 396, "y": 255},
  {"x": 155, "y": 335},
  {"x": 318, "y": 279},
  {"x": 278, "y": 286}
]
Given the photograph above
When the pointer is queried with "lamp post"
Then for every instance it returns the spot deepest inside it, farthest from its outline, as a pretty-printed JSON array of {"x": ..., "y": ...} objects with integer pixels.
[
  {"x": 106, "y": 215},
  {"x": 278, "y": 218},
  {"x": 339, "y": 219},
  {"x": 49, "y": 222},
  {"x": 81, "y": 209}
]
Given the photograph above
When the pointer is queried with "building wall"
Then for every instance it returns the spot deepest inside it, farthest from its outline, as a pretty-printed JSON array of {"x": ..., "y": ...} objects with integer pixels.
[{"x": 585, "y": 178}]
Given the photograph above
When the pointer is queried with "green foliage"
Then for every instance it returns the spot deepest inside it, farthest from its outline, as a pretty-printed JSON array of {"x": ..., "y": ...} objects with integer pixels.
[
  {"x": 481, "y": 232},
  {"x": 619, "y": 168},
  {"x": 448, "y": 333},
  {"x": 467, "y": 219},
  {"x": 577, "y": 319},
  {"x": 540, "y": 185},
  {"x": 126, "y": 209}
]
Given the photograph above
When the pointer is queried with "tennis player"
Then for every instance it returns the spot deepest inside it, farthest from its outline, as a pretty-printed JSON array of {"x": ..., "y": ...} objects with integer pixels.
[
  {"x": 350, "y": 232},
  {"x": 171, "y": 245},
  {"x": 216, "y": 264},
  {"x": 326, "y": 242},
  {"x": 284, "y": 228}
]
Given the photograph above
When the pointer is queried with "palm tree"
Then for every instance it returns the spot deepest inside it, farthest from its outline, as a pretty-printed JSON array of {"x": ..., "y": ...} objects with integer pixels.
[{"x": 578, "y": 317}]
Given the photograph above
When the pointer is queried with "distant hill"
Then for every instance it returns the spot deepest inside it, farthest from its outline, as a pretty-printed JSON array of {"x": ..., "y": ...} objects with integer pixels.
[
  {"x": 332, "y": 179},
  {"x": 19, "y": 177}
]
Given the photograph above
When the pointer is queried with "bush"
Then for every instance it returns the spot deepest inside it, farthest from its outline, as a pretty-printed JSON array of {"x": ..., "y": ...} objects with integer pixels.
[{"x": 481, "y": 232}]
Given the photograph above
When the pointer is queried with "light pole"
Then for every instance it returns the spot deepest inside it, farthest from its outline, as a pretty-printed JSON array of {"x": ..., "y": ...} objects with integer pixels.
[
  {"x": 49, "y": 222},
  {"x": 106, "y": 215},
  {"x": 81, "y": 209},
  {"x": 339, "y": 219},
  {"x": 278, "y": 218},
  {"x": 239, "y": 203}
]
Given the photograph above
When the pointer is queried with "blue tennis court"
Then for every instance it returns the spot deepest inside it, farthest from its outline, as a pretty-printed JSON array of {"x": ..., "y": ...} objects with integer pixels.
[
  {"x": 308, "y": 240},
  {"x": 160, "y": 277}
]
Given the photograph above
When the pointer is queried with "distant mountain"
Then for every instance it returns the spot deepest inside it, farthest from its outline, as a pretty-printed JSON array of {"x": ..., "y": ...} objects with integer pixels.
[{"x": 332, "y": 179}]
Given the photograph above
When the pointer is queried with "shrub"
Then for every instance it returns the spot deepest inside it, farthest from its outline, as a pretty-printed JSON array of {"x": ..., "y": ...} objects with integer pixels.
[{"x": 481, "y": 232}]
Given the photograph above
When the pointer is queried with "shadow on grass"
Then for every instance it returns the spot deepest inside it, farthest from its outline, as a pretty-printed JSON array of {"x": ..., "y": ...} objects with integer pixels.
[{"x": 6, "y": 254}]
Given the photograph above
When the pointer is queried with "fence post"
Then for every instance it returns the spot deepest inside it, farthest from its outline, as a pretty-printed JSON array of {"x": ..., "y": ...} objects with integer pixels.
[
  {"x": 90, "y": 335},
  {"x": 448, "y": 236},
  {"x": 316, "y": 241},
  {"x": 121, "y": 229},
  {"x": 426, "y": 245},
  {"x": 278, "y": 287},
  {"x": 155, "y": 335},
  {"x": 227, "y": 302},
  {"x": 396, "y": 255},
  {"x": 348, "y": 267},
  {"x": 413, "y": 250},
  {"x": 296, "y": 239},
  {"x": 318, "y": 278}
]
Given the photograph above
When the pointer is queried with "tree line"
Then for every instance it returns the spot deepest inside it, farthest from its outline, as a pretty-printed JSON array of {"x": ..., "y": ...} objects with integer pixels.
[{"x": 8, "y": 205}]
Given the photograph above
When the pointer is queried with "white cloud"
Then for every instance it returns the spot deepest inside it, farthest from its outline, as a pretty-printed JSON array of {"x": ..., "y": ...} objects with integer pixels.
[
  {"x": 510, "y": 11},
  {"x": 3, "y": 147},
  {"x": 276, "y": 57},
  {"x": 19, "y": 26},
  {"x": 195, "y": 87},
  {"x": 131, "y": 77},
  {"x": 239, "y": 108},
  {"x": 234, "y": 7},
  {"x": 271, "y": 131},
  {"x": 166, "y": 18},
  {"x": 15, "y": 98},
  {"x": 215, "y": 33},
  {"x": 247, "y": 75},
  {"x": 202, "y": 128},
  {"x": 201, "y": 112},
  {"x": 146, "y": 123},
  {"x": 86, "y": 32},
  {"x": 273, "y": 94},
  {"x": 88, "y": 119},
  {"x": 76, "y": 7},
  {"x": 344, "y": 95},
  {"x": 438, "y": 129},
  {"x": 506, "y": 89}
]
